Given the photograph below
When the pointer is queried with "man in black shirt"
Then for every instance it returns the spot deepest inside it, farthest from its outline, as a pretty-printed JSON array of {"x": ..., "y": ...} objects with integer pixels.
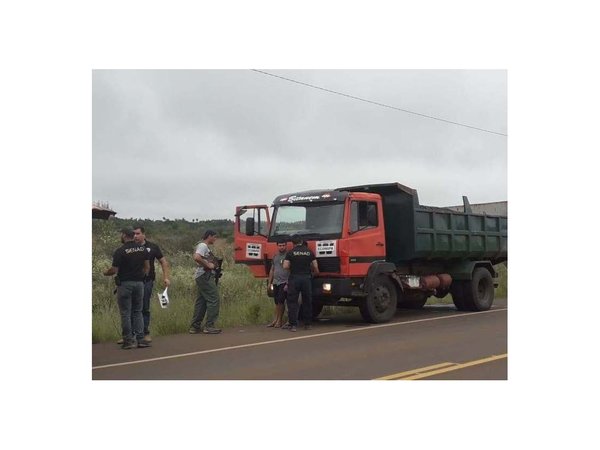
[
  {"x": 130, "y": 264},
  {"x": 153, "y": 252},
  {"x": 302, "y": 264}
]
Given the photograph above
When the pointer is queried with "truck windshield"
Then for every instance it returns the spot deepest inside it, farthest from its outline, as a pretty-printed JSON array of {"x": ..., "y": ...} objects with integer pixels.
[{"x": 310, "y": 221}]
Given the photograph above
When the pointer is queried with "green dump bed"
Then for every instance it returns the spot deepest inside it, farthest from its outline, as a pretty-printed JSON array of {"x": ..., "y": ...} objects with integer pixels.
[{"x": 421, "y": 233}]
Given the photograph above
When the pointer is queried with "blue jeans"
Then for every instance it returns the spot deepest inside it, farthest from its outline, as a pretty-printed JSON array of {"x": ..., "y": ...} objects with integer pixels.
[
  {"x": 299, "y": 284},
  {"x": 130, "y": 299}
]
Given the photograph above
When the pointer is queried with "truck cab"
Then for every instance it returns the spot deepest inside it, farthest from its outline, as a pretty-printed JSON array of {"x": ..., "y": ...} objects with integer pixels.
[{"x": 344, "y": 230}]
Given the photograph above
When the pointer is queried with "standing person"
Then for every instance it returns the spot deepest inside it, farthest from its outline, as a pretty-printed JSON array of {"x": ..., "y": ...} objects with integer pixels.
[
  {"x": 153, "y": 252},
  {"x": 302, "y": 264},
  {"x": 278, "y": 277},
  {"x": 130, "y": 264},
  {"x": 207, "y": 301}
]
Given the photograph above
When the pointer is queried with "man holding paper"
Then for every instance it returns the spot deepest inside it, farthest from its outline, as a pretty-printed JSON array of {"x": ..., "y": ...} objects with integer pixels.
[{"x": 154, "y": 253}]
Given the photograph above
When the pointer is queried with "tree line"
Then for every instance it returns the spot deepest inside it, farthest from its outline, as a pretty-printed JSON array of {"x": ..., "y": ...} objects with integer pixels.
[{"x": 173, "y": 235}]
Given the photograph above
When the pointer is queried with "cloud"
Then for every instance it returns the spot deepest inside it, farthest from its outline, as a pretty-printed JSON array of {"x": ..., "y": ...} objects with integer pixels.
[{"x": 196, "y": 143}]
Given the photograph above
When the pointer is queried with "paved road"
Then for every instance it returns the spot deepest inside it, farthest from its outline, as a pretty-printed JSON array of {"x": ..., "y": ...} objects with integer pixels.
[{"x": 437, "y": 342}]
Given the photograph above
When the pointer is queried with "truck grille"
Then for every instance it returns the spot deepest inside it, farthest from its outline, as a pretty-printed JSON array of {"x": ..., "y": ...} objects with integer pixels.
[{"x": 330, "y": 265}]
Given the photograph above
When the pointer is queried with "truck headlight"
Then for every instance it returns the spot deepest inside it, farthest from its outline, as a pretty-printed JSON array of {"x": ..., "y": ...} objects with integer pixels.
[{"x": 327, "y": 287}]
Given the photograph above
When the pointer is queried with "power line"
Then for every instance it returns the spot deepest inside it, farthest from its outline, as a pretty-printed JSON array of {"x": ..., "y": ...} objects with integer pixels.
[{"x": 377, "y": 103}]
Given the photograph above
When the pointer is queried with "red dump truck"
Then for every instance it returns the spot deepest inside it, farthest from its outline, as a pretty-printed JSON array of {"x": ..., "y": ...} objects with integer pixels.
[{"x": 378, "y": 249}]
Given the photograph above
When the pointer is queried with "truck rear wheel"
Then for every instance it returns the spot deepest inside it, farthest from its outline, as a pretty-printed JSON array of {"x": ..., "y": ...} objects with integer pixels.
[
  {"x": 380, "y": 304},
  {"x": 478, "y": 294},
  {"x": 457, "y": 292}
]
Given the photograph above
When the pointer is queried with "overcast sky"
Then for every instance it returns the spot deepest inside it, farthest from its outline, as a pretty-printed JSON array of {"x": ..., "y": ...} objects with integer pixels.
[{"x": 194, "y": 144}]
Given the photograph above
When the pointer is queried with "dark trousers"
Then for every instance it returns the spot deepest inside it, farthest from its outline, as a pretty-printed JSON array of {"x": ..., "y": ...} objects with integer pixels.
[
  {"x": 129, "y": 297},
  {"x": 207, "y": 302},
  {"x": 299, "y": 284},
  {"x": 148, "y": 286}
]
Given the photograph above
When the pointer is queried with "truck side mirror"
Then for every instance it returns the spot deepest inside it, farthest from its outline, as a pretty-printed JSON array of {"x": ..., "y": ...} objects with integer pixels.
[{"x": 250, "y": 226}]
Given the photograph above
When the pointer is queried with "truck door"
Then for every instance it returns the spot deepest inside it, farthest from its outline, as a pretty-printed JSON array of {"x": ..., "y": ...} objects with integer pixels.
[
  {"x": 366, "y": 235},
  {"x": 252, "y": 225}
]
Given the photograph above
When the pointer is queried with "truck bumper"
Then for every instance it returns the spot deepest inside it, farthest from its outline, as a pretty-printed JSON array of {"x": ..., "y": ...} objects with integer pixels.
[{"x": 335, "y": 288}]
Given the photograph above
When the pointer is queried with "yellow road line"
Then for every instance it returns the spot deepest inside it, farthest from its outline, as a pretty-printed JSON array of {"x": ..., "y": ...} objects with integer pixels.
[
  {"x": 437, "y": 369},
  {"x": 415, "y": 371}
]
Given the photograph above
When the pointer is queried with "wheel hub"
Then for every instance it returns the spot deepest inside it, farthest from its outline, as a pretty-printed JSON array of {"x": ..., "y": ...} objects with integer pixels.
[{"x": 381, "y": 299}]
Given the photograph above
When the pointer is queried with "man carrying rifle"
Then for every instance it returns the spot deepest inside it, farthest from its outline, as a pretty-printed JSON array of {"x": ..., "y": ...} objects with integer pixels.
[{"x": 207, "y": 302}]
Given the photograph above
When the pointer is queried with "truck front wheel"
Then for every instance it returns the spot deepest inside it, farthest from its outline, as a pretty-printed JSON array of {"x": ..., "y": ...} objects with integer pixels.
[
  {"x": 317, "y": 308},
  {"x": 380, "y": 304},
  {"x": 478, "y": 294}
]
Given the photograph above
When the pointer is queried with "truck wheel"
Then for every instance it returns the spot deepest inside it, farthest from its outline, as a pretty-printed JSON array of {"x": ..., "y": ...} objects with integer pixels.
[
  {"x": 380, "y": 304},
  {"x": 479, "y": 293},
  {"x": 317, "y": 308},
  {"x": 457, "y": 292}
]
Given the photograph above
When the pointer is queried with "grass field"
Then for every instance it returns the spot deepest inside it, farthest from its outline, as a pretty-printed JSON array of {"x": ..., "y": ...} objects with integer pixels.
[{"x": 243, "y": 297}]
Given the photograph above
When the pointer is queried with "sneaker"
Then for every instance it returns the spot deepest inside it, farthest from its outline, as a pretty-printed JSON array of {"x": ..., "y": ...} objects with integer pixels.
[
  {"x": 194, "y": 330},
  {"x": 129, "y": 345},
  {"x": 293, "y": 328},
  {"x": 287, "y": 326},
  {"x": 120, "y": 341},
  {"x": 144, "y": 343},
  {"x": 147, "y": 338},
  {"x": 211, "y": 330}
]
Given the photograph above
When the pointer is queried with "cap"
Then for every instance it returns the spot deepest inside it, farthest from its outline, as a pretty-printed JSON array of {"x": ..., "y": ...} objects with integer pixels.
[
  {"x": 128, "y": 232},
  {"x": 296, "y": 239}
]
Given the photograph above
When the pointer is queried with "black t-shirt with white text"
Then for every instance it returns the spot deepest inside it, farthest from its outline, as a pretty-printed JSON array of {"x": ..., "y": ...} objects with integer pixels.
[
  {"x": 153, "y": 252},
  {"x": 129, "y": 258},
  {"x": 300, "y": 258}
]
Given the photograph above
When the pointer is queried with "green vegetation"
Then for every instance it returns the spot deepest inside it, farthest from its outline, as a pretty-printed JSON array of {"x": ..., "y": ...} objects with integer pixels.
[
  {"x": 502, "y": 289},
  {"x": 243, "y": 297}
]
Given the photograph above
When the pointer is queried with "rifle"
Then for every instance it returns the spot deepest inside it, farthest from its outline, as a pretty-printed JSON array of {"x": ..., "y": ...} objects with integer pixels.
[{"x": 218, "y": 270}]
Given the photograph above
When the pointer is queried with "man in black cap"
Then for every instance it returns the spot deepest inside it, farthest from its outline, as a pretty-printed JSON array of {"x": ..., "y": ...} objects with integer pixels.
[
  {"x": 130, "y": 264},
  {"x": 302, "y": 264},
  {"x": 207, "y": 302}
]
